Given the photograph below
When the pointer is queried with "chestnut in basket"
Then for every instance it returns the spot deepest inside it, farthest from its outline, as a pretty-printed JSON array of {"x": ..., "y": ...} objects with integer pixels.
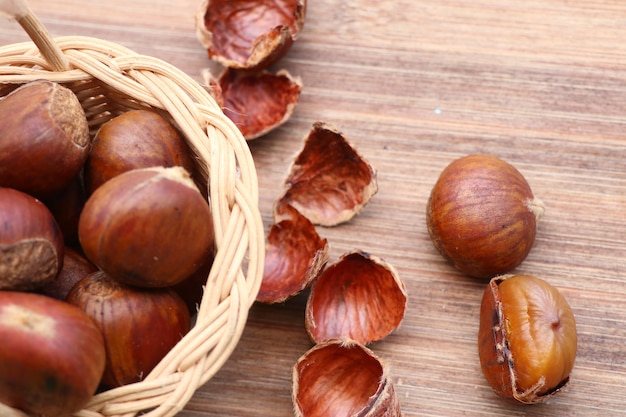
[
  {"x": 134, "y": 139},
  {"x": 256, "y": 102},
  {"x": 44, "y": 138},
  {"x": 52, "y": 355},
  {"x": 295, "y": 255},
  {"x": 328, "y": 182},
  {"x": 360, "y": 297},
  {"x": 139, "y": 325},
  {"x": 75, "y": 268},
  {"x": 343, "y": 378},
  {"x": 148, "y": 227},
  {"x": 250, "y": 35},
  {"x": 482, "y": 215},
  {"x": 31, "y": 244},
  {"x": 527, "y": 338}
]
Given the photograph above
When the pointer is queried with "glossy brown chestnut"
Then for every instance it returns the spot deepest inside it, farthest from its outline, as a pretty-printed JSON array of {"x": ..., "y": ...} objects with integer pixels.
[
  {"x": 148, "y": 227},
  {"x": 249, "y": 35},
  {"x": 139, "y": 325},
  {"x": 134, "y": 139},
  {"x": 343, "y": 378},
  {"x": 482, "y": 215},
  {"x": 44, "y": 138},
  {"x": 66, "y": 205},
  {"x": 51, "y": 357},
  {"x": 527, "y": 338},
  {"x": 31, "y": 243}
]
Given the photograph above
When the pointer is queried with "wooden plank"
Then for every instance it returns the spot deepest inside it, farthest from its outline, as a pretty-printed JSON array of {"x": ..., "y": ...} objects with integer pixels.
[{"x": 414, "y": 84}]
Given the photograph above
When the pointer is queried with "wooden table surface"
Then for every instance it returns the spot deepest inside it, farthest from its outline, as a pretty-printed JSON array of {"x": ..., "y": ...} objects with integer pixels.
[{"x": 414, "y": 84}]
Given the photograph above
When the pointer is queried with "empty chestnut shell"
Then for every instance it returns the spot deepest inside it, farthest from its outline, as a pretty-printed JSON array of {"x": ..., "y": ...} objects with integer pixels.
[
  {"x": 527, "y": 338},
  {"x": 295, "y": 255},
  {"x": 482, "y": 215},
  {"x": 251, "y": 35},
  {"x": 256, "y": 102},
  {"x": 328, "y": 182},
  {"x": 343, "y": 378},
  {"x": 360, "y": 297}
]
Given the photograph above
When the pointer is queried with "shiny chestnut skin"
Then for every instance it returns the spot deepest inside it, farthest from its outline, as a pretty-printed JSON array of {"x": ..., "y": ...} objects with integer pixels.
[
  {"x": 51, "y": 357},
  {"x": 527, "y": 338},
  {"x": 31, "y": 243},
  {"x": 44, "y": 140},
  {"x": 134, "y": 139},
  {"x": 75, "y": 267},
  {"x": 482, "y": 215},
  {"x": 148, "y": 227},
  {"x": 139, "y": 325}
]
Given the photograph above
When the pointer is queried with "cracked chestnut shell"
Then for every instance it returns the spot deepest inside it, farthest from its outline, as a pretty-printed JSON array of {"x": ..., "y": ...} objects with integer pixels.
[
  {"x": 328, "y": 182},
  {"x": 359, "y": 297},
  {"x": 256, "y": 102},
  {"x": 295, "y": 256},
  {"x": 249, "y": 34},
  {"x": 343, "y": 378},
  {"x": 482, "y": 215},
  {"x": 527, "y": 338},
  {"x": 148, "y": 227}
]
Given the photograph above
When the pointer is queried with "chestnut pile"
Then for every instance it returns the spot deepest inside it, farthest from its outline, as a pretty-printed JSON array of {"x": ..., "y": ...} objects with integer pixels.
[
  {"x": 105, "y": 242},
  {"x": 482, "y": 217}
]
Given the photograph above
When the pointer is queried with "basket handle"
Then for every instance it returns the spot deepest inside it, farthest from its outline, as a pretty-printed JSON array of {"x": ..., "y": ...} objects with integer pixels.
[{"x": 19, "y": 10}]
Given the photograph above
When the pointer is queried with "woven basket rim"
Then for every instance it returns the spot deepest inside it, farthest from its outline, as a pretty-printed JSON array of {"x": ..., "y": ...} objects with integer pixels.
[{"x": 224, "y": 157}]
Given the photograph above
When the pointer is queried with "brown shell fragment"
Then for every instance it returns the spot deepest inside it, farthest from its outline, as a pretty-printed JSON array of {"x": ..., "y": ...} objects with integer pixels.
[
  {"x": 294, "y": 257},
  {"x": 256, "y": 102},
  {"x": 328, "y": 182},
  {"x": 343, "y": 378},
  {"x": 251, "y": 35},
  {"x": 360, "y": 297}
]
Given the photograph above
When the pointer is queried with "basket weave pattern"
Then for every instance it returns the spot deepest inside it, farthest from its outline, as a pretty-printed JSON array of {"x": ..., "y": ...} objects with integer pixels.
[{"x": 109, "y": 79}]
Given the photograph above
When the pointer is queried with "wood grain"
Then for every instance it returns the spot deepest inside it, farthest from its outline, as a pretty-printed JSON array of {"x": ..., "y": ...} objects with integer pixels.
[{"x": 414, "y": 84}]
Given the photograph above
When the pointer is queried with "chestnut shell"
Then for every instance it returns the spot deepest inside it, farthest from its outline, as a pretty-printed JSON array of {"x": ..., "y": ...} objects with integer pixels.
[
  {"x": 256, "y": 102},
  {"x": 343, "y": 378},
  {"x": 360, "y": 297},
  {"x": 295, "y": 256},
  {"x": 250, "y": 35},
  {"x": 527, "y": 335},
  {"x": 328, "y": 182}
]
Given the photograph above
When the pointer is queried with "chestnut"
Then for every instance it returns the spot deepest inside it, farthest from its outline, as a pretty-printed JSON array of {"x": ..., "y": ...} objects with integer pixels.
[
  {"x": 44, "y": 140},
  {"x": 527, "y": 338},
  {"x": 75, "y": 267},
  {"x": 482, "y": 215},
  {"x": 139, "y": 325},
  {"x": 51, "y": 357},
  {"x": 148, "y": 227},
  {"x": 31, "y": 243},
  {"x": 134, "y": 139}
]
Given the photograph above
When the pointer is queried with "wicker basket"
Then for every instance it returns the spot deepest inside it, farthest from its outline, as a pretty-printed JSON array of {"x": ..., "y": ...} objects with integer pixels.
[{"x": 108, "y": 80}]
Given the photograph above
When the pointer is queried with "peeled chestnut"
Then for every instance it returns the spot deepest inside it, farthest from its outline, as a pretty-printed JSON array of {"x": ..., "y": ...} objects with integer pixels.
[
  {"x": 139, "y": 325},
  {"x": 51, "y": 357},
  {"x": 148, "y": 227},
  {"x": 527, "y": 338},
  {"x": 482, "y": 215},
  {"x": 134, "y": 139},
  {"x": 44, "y": 138},
  {"x": 31, "y": 244}
]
